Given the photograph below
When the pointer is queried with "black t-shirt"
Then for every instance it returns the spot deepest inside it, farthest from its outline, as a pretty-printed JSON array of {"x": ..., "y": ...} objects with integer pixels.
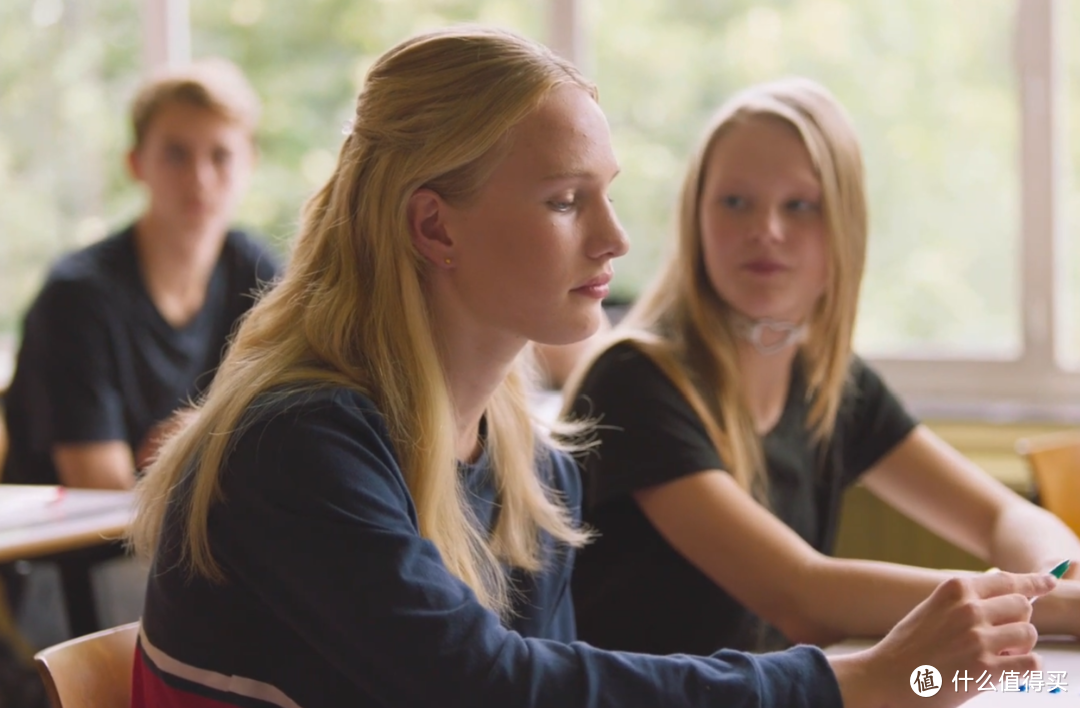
[
  {"x": 632, "y": 590},
  {"x": 99, "y": 363}
]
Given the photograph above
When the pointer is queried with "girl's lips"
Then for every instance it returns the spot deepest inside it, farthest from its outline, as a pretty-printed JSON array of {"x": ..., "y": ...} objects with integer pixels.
[
  {"x": 597, "y": 287},
  {"x": 597, "y": 291},
  {"x": 602, "y": 279},
  {"x": 764, "y": 267}
]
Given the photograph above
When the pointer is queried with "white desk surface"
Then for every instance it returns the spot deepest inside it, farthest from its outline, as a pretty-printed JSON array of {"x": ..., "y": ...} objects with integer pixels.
[
  {"x": 41, "y": 520},
  {"x": 1058, "y": 654}
]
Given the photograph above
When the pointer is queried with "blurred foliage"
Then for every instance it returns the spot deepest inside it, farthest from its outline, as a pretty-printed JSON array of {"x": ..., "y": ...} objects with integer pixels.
[
  {"x": 929, "y": 84},
  {"x": 67, "y": 71}
]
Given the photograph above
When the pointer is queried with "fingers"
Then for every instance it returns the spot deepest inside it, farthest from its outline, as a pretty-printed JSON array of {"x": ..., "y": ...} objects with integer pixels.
[
  {"x": 1012, "y": 638},
  {"x": 1005, "y": 609},
  {"x": 1021, "y": 663},
  {"x": 999, "y": 619},
  {"x": 1030, "y": 585},
  {"x": 1000, "y": 615}
]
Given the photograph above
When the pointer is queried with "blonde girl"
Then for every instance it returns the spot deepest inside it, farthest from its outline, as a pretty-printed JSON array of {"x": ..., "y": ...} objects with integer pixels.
[{"x": 733, "y": 415}]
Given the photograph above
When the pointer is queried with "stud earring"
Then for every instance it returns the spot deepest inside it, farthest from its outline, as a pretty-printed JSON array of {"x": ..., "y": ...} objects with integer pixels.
[{"x": 447, "y": 261}]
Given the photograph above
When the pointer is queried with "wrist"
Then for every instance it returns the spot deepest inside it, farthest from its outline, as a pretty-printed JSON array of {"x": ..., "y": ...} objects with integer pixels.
[
  {"x": 855, "y": 675},
  {"x": 1057, "y": 612}
]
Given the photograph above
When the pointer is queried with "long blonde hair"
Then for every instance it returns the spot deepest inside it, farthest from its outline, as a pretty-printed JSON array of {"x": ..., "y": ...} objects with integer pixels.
[
  {"x": 435, "y": 112},
  {"x": 683, "y": 325}
]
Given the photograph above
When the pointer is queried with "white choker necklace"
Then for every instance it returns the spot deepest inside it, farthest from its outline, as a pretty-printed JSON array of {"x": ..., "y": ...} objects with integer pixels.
[{"x": 785, "y": 334}]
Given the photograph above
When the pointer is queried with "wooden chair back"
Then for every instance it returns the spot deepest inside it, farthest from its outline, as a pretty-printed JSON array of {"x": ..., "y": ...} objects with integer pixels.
[
  {"x": 93, "y": 671},
  {"x": 1054, "y": 460}
]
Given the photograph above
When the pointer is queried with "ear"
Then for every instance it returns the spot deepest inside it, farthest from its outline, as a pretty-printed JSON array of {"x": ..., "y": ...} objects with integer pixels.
[
  {"x": 133, "y": 165},
  {"x": 427, "y": 214}
]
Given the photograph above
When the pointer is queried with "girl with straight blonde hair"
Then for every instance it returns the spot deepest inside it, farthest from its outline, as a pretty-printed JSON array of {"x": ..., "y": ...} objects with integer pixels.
[
  {"x": 361, "y": 512},
  {"x": 733, "y": 415}
]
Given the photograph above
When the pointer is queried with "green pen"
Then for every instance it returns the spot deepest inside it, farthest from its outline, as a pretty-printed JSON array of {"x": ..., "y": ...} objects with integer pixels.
[{"x": 1057, "y": 571}]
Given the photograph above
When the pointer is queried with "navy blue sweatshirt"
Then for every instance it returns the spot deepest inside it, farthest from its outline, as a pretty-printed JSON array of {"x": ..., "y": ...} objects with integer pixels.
[{"x": 333, "y": 598}]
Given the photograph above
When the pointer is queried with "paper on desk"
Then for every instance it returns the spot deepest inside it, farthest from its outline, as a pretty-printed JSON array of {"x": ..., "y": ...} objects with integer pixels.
[
  {"x": 29, "y": 505},
  {"x": 21, "y": 505}
]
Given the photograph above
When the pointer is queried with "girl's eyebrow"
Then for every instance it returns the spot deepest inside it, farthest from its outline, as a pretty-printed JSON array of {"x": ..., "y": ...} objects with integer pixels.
[
  {"x": 576, "y": 174},
  {"x": 736, "y": 182}
]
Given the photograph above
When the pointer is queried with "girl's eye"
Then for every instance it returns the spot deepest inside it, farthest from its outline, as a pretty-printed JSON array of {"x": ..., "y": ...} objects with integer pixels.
[
  {"x": 562, "y": 205},
  {"x": 175, "y": 155},
  {"x": 733, "y": 201},
  {"x": 222, "y": 157},
  {"x": 802, "y": 205}
]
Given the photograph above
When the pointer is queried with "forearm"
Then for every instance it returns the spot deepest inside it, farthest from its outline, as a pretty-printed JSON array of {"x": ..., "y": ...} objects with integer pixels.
[
  {"x": 100, "y": 478},
  {"x": 855, "y": 678},
  {"x": 105, "y": 465},
  {"x": 843, "y": 598},
  {"x": 1026, "y": 538}
]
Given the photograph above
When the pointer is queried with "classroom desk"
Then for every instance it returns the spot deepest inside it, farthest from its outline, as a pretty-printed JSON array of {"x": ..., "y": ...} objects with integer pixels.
[
  {"x": 75, "y": 528},
  {"x": 38, "y": 521},
  {"x": 1058, "y": 654}
]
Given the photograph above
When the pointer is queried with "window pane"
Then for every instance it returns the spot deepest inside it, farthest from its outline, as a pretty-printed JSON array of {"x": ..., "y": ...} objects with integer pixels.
[
  {"x": 931, "y": 89},
  {"x": 307, "y": 61},
  {"x": 67, "y": 70},
  {"x": 1068, "y": 316}
]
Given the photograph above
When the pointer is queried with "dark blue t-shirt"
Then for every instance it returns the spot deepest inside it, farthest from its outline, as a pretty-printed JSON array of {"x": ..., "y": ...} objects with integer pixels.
[
  {"x": 99, "y": 363},
  {"x": 333, "y": 598}
]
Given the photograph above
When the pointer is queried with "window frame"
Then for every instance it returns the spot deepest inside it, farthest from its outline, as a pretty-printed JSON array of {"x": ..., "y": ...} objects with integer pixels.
[{"x": 1034, "y": 384}]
